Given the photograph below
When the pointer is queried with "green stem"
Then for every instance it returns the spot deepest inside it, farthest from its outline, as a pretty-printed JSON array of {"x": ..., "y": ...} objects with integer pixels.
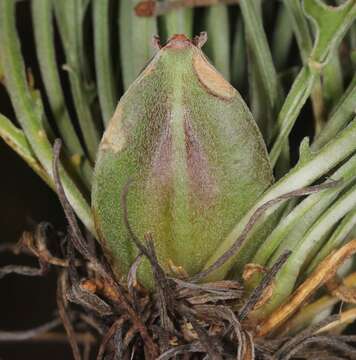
[
  {"x": 26, "y": 111},
  {"x": 103, "y": 59}
]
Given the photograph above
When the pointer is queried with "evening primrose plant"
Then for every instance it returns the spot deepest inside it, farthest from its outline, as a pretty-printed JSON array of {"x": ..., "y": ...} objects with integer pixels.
[{"x": 178, "y": 176}]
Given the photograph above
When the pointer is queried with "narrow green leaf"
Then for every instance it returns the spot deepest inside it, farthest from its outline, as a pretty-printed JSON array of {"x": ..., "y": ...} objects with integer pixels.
[
  {"x": 80, "y": 12},
  {"x": 218, "y": 44},
  {"x": 264, "y": 88},
  {"x": 339, "y": 117},
  {"x": 305, "y": 44},
  {"x": 136, "y": 35},
  {"x": 282, "y": 38},
  {"x": 27, "y": 113},
  {"x": 259, "y": 104},
  {"x": 339, "y": 19},
  {"x": 238, "y": 58},
  {"x": 353, "y": 46},
  {"x": 332, "y": 83},
  {"x": 105, "y": 75},
  {"x": 307, "y": 248},
  {"x": 16, "y": 139},
  {"x": 257, "y": 41},
  {"x": 291, "y": 108},
  {"x": 44, "y": 40},
  {"x": 293, "y": 227},
  {"x": 69, "y": 19},
  {"x": 1, "y": 73},
  {"x": 300, "y": 27},
  {"x": 338, "y": 237}
]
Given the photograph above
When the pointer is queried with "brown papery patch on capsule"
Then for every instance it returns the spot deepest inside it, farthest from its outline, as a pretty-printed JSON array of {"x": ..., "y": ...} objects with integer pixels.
[
  {"x": 211, "y": 79},
  {"x": 114, "y": 138}
]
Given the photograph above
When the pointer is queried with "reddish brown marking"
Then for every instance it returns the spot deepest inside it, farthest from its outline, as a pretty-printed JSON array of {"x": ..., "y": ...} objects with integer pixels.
[
  {"x": 203, "y": 185},
  {"x": 145, "y": 8},
  {"x": 178, "y": 41},
  {"x": 161, "y": 162}
]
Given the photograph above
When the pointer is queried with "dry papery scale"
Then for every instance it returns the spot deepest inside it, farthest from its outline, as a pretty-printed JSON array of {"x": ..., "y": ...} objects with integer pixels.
[{"x": 197, "y": 312}]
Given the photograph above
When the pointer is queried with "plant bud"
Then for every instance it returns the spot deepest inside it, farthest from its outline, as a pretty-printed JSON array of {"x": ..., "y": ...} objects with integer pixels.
[{"x": 195, "y": 157}]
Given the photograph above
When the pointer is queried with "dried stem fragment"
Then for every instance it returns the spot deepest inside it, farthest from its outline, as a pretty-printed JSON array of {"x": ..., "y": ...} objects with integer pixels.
[
  {"x": 61, "y": 304},
  {"x": 345, "y": 317},
  {"x": 156, "y": 8},
  {"x": 261, "y": 293},
  {"x": 341, "y": 291},
  {"x": 108, "y": 336},
  {"x": 323, "y": 273},
  {"x": 8, "y": 336}
]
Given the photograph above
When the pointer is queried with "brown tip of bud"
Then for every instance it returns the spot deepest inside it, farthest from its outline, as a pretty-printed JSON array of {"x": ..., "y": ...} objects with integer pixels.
[
  {"x": 178, "y": 41},
  {"x": 179, "y": 37},
  {"x": 145, "y": 8}
]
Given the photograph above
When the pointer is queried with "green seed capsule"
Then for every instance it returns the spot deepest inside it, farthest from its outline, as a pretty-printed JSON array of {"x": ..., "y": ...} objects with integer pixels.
[{"x": 196, "y": 159}]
